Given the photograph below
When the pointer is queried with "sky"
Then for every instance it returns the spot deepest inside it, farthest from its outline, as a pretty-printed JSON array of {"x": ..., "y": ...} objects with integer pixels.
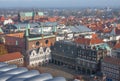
[{"x": 59, "y": 3}]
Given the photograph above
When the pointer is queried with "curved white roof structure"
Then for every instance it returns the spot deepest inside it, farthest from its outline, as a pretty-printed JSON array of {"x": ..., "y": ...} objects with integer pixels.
[
  {"x": 16, "y": 71},
  {"x": 3, "y": 64},
  {"x": 17, "y": 79},
  {"x": 7, "y": 68},
  {"x": 5, "y": 77},
  {"x": 25, "y": 75},
  {"x": 41, "y": 77},
  {"x": 57, "y": 79}
]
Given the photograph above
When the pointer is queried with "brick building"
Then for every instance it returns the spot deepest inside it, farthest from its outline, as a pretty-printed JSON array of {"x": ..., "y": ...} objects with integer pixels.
[
  {"x": 12, "y": 58},
  {"x": 38, "y": 40},
  {"x": 15, "y": 42},
  {"x": 111, "y": 68},
  {"x": 84, "y": 59}
]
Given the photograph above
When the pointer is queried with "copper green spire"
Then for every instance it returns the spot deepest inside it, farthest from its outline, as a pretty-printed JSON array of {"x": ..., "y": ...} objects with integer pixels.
[
  {"x": 1, "y": 31},
  {"x": 27, "y": 30},
  {"x": 54, "y": 29},
  {"x": 18, "y": 27},
  {"x": 41, "y": 29}
]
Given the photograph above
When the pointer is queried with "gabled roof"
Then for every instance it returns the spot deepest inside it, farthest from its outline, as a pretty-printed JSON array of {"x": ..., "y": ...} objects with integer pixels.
[
  {"x": 10, "y": 56},
  {"x": 87, "y": 41},
  {"x": 39, "y": 50},
  {"x": 117, "y": 46}
]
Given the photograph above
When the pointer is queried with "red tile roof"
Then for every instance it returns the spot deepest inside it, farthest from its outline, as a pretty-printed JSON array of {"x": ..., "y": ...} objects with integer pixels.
[
  {"x": 111, "y": 60},
  {"x": 88, "y": 41},
  {"x": 117, "y": 46},
  {"x": 10, "y": 56},
  {"x": 117, "y": 31}
]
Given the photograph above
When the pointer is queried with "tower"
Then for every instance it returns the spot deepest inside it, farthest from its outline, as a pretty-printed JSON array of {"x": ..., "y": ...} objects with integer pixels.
[
  {"x": 27, "y": 31},
  {"x": 54, "y": 30}
]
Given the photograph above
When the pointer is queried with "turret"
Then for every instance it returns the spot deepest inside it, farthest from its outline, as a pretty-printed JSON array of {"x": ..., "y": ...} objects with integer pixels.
[
  {"x": 54, "y": 30},
  {"x": 27, "y": 30},
  {"x": 41, "y": 31},
  {"x": 26, "y": 37},
  {"x": 18, "y": 27}
]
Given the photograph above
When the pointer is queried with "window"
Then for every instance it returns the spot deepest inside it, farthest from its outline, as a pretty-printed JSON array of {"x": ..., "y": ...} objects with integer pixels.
[
  {"x": 16, "y": 42},
  {"x": 37, "y": 43},
  {"x": 46, "y": 41},
  {"x": 72, "y": 52}
]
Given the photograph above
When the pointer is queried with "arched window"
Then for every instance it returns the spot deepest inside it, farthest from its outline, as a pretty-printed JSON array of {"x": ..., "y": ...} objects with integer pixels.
[
  {"x": 46, "y": 41},
  {"x": 37, "y": 43}
]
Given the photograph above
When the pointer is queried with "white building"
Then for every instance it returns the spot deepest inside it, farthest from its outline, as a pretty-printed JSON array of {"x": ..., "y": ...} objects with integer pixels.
[
  {"x": 9, "y": 21},
  {"x": 39, "y": 56}
]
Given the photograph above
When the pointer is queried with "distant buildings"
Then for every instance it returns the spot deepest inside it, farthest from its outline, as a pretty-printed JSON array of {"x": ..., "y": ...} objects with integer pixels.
[{"x": 25, "y": 16}]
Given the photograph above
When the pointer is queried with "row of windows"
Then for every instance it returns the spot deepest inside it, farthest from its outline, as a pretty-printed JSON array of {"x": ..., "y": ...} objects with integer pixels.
[
  {"x": 88, "y": 57},
  {"x": 88, "y": 53},
  {"x": 109, "y": 65},
  {"x": 41, "y": 52},
  {"x": 38, "y": 43},
  {"x": 39, "y": 58},
  {"x": 116, "y": 71},
  {"x": 17, "y": 60},
  {"x": 87, "y": 64},
  {"x": 111, "y": 75}
]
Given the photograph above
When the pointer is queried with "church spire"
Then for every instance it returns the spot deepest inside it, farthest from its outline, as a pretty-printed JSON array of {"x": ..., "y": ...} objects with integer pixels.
[{"x": 42, "y": 30}]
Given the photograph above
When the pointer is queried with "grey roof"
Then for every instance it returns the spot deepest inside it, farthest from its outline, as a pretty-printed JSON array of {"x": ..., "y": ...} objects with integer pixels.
[
  {"x": 5, "y": 77},
  {"x": 57, "y": 79},
  {"x": 3, "y": 64},
  {"x": 8, "y": 67},
  {"x": 16, "y": 71},
  {"x": 79, "y": 28},
  {"x": 24, "y": 25},
  {"x": 24, "y": 75},
  {"x": 17, "y": 79},
  {"x": 49, "y": 24},
  {"x": 113, "y": 33},
  {"x": 41, "y": 77}
]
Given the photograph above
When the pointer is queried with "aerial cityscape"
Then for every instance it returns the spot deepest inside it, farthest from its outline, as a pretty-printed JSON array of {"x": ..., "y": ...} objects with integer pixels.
[{"x": 59, "y": 40}]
